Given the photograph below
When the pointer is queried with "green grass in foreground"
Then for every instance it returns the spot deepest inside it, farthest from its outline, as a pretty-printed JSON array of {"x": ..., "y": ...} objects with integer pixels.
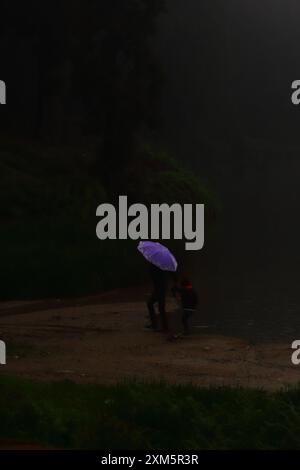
[{"x": 148, "y": 416}]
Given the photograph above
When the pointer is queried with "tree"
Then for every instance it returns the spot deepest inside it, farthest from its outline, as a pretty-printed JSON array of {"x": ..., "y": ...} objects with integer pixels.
[{"x": 95, "y": 70}]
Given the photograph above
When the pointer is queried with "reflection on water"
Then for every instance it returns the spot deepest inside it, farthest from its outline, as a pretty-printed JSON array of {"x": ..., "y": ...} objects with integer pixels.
[
  {"x": 248, "y": 274},
  {"x": 240, "y": 299}
]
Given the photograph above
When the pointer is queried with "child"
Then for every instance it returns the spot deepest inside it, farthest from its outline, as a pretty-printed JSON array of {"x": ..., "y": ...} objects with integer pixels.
[{"x": 189, "y": 301}]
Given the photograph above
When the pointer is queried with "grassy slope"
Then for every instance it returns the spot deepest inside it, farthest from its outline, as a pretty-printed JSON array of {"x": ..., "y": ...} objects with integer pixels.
[
  {"x": 49, "y": 198},
  {"x": 49, "y": 246}
]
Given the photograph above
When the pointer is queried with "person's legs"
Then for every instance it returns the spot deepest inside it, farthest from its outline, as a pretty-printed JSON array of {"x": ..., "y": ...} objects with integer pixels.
[
  {"x": 185, "y": 320},
  {"x": 162, "y": 309},
  {"x": 150, "y": 304}
]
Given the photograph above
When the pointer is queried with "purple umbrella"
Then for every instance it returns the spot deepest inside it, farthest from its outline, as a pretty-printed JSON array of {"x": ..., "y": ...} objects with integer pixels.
[{"x": 158, "y": 255}]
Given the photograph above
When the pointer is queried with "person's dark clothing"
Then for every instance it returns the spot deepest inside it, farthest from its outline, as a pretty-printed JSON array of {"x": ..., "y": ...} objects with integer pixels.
[
  {"x": 189, "y": 302},
  {"x": 188, "y": 296},
  {"x": 160, "y": 284}
]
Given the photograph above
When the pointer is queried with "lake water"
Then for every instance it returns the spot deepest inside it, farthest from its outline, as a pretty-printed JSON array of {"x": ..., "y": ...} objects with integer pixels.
[{"x": 248, "y": 273}]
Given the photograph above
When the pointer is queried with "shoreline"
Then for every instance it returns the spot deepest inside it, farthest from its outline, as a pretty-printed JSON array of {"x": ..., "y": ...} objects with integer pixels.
[{"x": 101, "y": 339}]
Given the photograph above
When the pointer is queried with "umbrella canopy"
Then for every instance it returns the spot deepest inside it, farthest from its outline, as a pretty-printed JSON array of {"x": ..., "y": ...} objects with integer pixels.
[{"x": 158, "y": 255}]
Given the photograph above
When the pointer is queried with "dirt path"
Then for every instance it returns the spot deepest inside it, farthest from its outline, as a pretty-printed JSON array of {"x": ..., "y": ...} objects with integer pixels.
[{"x": 101, "y": 339}]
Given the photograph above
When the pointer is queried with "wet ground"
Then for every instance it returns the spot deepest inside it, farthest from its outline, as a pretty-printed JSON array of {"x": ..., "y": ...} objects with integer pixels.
[{"x": 102, "y": 340}]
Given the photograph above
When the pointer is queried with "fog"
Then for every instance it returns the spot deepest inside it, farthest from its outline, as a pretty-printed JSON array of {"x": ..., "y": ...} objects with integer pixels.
[
  {"x": 227, "y": 109},
  {"x": 227, "y": 101},
  {"x": 229, "y": 68}
]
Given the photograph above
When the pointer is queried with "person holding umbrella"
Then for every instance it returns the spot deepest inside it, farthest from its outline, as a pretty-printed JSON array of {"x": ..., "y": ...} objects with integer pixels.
[{"x": 162, "y": 263}]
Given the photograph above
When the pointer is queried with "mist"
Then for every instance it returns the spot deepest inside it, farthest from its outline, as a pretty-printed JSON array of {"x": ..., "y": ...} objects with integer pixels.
[
  {"x": 227, "y": 109},
  {"x": 227, "y": 100}
]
